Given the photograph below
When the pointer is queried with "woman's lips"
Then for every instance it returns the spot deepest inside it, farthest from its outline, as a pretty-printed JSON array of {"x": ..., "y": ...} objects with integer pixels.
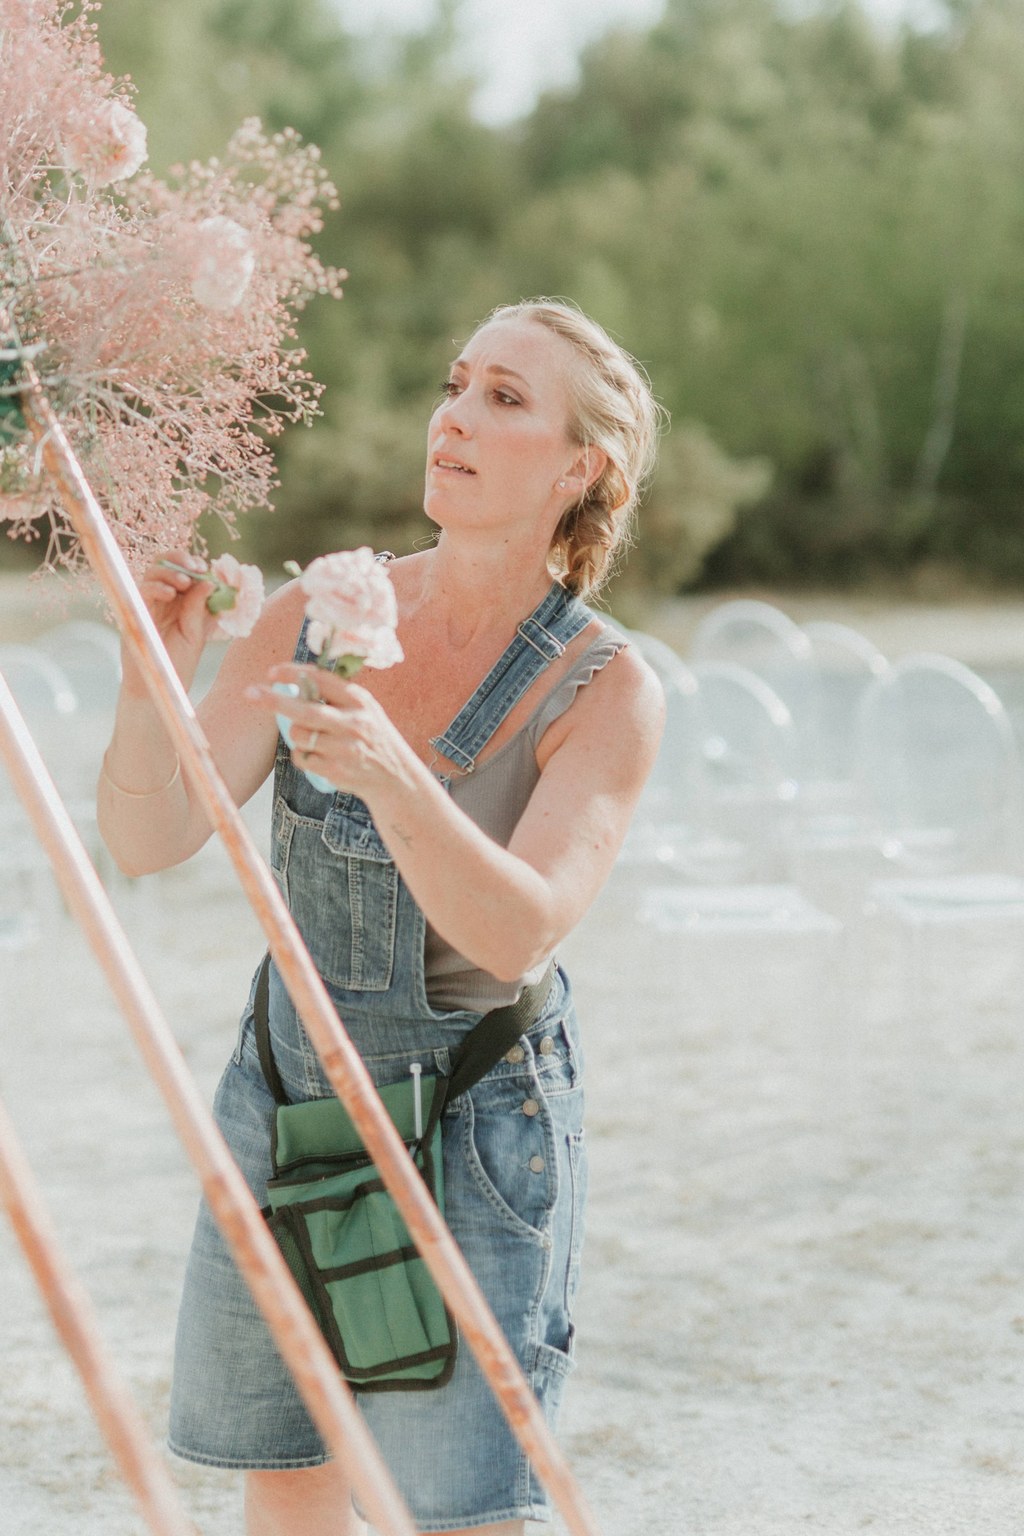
[{"x": 449, "y": 466}]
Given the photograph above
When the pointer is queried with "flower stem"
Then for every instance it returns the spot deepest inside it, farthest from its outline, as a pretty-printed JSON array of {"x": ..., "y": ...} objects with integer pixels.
[{"x": 171, "y": 565}]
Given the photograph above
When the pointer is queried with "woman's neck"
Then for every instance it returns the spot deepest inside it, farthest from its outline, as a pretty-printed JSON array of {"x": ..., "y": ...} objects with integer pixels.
[{"x": 477, "y": 588}]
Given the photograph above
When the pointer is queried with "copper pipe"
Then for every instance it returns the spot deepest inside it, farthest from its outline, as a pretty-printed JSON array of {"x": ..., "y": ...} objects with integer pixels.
[{"x": 72, "y": 1314}]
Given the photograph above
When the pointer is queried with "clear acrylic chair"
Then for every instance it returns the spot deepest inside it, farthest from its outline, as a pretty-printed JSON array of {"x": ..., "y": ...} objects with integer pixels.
[
  {"x": 733, "y": 773},
  {"x": 693, "y": 885},
  {"x": 89, "y": 655},
  {"x": 69, "y": 739},
  {"x": 48, "y": 703},
  {"x": 39, "y": 683},
  {"x": 30, "y": 905},
  {"x": 660, "y": 822},
  {"x": 941, "y": 770},
  {"x": 739, "y": 773},
  {"x": 760, "y": 637},
  {"x": 751, "y": 633},
  {"x": 833, "y": 850},
  {"x": 845, "y": 663},
  {"x": 722, "y": 783}
]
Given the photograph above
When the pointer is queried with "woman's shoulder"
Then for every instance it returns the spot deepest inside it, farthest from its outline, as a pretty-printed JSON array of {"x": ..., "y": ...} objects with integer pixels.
[
  {"x": 279, "y": 623},
  {"x": 616, "y": 702},
  {"x": 626, "y": 684}
]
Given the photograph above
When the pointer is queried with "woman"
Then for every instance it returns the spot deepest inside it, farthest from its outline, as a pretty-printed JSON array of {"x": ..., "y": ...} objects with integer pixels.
[{"x": 460, "y": 850}]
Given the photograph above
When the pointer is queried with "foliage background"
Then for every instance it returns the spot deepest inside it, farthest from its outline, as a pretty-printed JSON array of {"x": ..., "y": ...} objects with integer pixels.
[{"x": 809, "y": 230}]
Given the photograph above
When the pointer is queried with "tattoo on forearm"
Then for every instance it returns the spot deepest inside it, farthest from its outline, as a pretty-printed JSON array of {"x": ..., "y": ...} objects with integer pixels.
[{"x": 405, "y": 836}]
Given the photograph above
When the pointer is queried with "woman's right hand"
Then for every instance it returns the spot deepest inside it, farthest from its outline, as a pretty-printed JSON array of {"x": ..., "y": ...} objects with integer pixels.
[{"x": 177, "y": 606}]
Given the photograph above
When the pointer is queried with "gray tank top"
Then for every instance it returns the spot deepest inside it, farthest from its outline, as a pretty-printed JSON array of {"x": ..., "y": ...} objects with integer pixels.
[{"x": 495, "y": 796}]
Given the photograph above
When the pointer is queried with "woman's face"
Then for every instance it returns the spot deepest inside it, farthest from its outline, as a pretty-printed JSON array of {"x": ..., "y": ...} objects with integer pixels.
[{"x": 499, "y": 441}]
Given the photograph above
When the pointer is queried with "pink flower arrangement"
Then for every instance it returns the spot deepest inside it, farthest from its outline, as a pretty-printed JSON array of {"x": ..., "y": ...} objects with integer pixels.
[
  {"x": 223, "y": 265},
  {"x": 107, "y": 144},
  {"x": 158, "y": 314},
  {"x": 352, "y": 609}
]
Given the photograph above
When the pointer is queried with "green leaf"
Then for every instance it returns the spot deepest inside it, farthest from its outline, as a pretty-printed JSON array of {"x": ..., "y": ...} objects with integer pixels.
[{"x": 221, "y": 599}]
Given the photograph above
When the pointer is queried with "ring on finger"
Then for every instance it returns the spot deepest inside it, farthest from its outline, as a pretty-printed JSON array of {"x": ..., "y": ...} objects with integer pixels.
[{"x": 311, "y": 743}]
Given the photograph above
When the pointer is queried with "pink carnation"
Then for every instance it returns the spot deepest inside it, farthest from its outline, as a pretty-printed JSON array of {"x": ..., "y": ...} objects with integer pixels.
[
  {"x": 246, "y": 581},
  {"x": 17, "y": 508},
  {"x": 108, "y": 145},
  {"x": 352, "y": 608},
  {"x": 223, "y": 264}
]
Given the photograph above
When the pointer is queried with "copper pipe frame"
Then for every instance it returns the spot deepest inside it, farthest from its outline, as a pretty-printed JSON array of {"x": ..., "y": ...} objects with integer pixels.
[{"x": 323, "y": 1389}]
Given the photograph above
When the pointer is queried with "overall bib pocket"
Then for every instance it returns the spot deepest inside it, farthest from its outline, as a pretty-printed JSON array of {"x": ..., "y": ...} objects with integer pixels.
[{"x": 341, "y": 887}]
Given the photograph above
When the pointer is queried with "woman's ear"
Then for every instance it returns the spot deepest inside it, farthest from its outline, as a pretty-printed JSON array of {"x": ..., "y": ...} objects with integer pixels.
[{"x": 585, "y": 471}]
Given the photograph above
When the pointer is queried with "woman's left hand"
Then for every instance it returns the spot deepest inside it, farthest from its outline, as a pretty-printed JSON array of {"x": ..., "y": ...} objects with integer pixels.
[{"x": 338, "y": 729}]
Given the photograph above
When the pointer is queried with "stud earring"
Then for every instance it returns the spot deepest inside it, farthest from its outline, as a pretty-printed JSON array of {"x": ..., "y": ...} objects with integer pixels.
[{"x": 561, "y": 485}]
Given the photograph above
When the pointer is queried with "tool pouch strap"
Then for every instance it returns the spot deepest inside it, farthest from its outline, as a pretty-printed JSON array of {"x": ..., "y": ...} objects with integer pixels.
[{"x": 484, "y": 1046}]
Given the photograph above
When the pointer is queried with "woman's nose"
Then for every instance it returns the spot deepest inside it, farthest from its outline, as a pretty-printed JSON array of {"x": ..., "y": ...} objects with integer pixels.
[{"x": 456, "y": 414}]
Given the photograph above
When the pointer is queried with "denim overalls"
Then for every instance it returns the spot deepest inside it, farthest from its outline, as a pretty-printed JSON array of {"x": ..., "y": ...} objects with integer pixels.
[{"x": 513, "y": 1152}]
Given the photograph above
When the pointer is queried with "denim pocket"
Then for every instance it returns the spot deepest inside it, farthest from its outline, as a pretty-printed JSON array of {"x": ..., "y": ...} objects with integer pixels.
[
  {"x": 341, "y": 886},
  {"x": 508, "y": 1140}
]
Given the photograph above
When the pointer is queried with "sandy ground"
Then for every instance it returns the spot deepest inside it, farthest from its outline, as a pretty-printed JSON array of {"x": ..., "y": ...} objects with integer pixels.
[{"x": 803, "y": 1302}]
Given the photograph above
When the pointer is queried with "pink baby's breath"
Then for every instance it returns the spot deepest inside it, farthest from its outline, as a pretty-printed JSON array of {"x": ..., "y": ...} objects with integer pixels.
[
  {"x": 106, "y": 144},
  {"x": 352, "y": 609},
  {"x": 224, "y": 264},
  {"x": 159, "y": 316},
  {"x": 247, "y": 583}
]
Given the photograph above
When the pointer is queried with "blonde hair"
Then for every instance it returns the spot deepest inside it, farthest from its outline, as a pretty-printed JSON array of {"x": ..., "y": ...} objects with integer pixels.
[{"x": 612, "y": 408}]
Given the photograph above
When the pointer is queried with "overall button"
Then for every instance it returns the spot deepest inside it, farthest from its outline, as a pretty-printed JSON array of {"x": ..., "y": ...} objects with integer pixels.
[
  {"x": 546, "y": 1046},
  {"x": 536, "y": 1164},
  {"x": 515, "y": 1055},
  {"x": 530, "y": 1107}
]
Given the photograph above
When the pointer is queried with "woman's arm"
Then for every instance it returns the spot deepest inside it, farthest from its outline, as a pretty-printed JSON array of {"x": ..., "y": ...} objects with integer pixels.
[
  {"x": 148, "y": 814},
  {"x": 504, "y": 909}
]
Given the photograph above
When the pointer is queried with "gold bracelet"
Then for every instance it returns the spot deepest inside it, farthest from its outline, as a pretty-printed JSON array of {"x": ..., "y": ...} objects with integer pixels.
[{"x": 143, "y": 794}]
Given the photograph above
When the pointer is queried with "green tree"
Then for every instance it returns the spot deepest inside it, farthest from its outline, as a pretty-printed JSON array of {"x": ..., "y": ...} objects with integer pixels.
[{"x": 806, "y": 229}]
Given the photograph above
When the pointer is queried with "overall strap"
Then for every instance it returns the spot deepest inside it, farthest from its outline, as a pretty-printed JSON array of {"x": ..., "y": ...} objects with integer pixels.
[
  {"x": 482, "y": 1049},
  {"x": 538, "y": 641}
]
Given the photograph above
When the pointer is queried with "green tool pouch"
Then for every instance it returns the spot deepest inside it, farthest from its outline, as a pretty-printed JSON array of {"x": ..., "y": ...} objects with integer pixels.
[
  {"x": 339, "y": 1229},
  {"x": 347, "y": 1245}
]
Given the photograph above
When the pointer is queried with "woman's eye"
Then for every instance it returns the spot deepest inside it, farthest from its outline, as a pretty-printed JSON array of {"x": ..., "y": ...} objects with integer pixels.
[
  {"x": 449, "y": 388},
  {"x": 504, "y": 398}
]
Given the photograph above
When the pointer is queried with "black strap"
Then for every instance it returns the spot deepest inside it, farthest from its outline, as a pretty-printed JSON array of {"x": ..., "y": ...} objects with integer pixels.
[
  {"x": 484, "y": 1046},
  {"x": 496, "y": 1034},
  {"x": 261, "y": 1018}
]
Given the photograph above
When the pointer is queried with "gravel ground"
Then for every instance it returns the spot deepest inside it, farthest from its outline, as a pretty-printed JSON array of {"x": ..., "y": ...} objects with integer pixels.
[{"x": 802, "y": 1304}]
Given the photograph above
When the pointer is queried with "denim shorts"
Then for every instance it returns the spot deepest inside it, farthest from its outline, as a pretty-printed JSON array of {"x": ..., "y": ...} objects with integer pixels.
[{"x": 515, "y": 1184}]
